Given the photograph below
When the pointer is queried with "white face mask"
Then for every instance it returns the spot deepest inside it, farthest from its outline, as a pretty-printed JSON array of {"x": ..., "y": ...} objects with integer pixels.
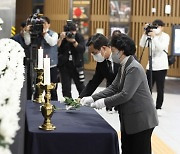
[
  {"x": 115, "y": 56},
  {"x": 157, "y": 31},
  {"x": 98, "y": 57}
]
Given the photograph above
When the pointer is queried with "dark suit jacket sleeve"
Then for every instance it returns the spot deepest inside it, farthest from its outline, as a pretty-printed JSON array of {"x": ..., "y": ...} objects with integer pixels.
[
  {"x": 109, "y": 91},
  {"x": 93, "y": 83}
]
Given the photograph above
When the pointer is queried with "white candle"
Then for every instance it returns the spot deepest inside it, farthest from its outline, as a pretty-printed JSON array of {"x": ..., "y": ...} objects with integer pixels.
[
  {"x": 40, "y": 58},
  {"x": 47, "y": 77}
]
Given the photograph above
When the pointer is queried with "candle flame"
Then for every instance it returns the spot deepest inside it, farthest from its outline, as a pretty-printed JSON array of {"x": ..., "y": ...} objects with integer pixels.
[{"x": 46, "y": 56}]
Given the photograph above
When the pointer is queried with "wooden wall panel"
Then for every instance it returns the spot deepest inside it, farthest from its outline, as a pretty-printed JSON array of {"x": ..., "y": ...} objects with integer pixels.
[
  {"x": 141, "y": 14},
  {"x": 99, "y": 18},
  {"x": 58, "y": 11},
  {"x": 23, "y": 11}
]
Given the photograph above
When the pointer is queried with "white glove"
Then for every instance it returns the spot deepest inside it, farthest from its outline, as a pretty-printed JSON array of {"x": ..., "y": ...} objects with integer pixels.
[
  {"x": 99, "y": 104},
  {"x": 86, "y": 101}
]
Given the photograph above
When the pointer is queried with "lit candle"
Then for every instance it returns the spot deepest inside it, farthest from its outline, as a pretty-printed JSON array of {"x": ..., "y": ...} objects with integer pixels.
[
  {"x": 40, "y": 58},
  {"x": 47, "y": 77}
]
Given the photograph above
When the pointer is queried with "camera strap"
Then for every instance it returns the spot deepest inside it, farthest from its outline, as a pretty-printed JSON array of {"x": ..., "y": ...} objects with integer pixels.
[{"x": 70, "y": 56}]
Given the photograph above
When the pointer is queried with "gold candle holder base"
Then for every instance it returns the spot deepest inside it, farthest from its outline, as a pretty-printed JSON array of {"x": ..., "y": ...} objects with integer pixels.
[
  {"x": 47, "y": 109},
  {"x": 47, "y": 127},
  {"x": 39, "y": 87}
]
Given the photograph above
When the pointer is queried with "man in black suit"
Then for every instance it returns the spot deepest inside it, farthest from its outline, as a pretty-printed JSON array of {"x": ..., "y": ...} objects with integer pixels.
[
  {"x": 19, "y": 37},
  {"x": 105, "y": 68}
]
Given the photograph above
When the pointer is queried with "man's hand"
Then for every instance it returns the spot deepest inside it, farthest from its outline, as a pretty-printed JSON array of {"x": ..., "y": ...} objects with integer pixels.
[
  {"x": 27, "y": 28},
  {"x": 152, "y": 34},
  {"x": 62, "y": 35},
  {"x": 99, "y": 104},
  {"x": 71, "y": 40},
  {"x": 86, "y": 101}
]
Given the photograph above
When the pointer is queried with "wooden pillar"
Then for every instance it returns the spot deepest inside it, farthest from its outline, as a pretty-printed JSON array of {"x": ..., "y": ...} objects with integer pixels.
[
  {"x": 23, "y": 11},
  {"x": 99, "y": 18},
  {"x": 58, "y": 11}
]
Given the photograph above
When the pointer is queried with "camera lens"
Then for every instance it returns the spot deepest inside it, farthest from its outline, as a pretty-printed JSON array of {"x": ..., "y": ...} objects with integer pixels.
[{"x": 70, "y": 35}]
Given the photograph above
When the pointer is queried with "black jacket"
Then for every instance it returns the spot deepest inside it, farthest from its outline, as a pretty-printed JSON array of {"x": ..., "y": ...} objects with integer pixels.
[
  {"x": 101, "y": 73},
  {"x": 20, "y": 39},
  {"x": 77, "y": 53}
]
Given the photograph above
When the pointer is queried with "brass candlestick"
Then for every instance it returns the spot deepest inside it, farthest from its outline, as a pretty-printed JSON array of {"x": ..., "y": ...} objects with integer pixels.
[
  {"x": 47, "y": 109},
  {"x": 39, "y": 86}
]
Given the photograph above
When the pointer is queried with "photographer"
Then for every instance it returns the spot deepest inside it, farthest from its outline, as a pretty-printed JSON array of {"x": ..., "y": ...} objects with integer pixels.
[
  {"x": 70, "y": 59},
  {"x": 19, "y": 37},
  {"x": 47, "y": 39},
  {"x": 160, "y": 42}
]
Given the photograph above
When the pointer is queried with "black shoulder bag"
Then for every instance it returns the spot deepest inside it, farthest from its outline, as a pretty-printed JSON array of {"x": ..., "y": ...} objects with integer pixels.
[{"x": 171, "y": 58}]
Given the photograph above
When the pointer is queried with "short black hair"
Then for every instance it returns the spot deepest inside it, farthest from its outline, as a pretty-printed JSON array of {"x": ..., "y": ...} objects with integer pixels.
[
  {"x": 46, "y": 19},
  {"x": 98, "y": 40},
  {"x": 23, "y": 24},
  {"x": 158, "y": 22},
  {"x": 124, "y": 43},
  {"x": 70, "y": 26},
  {"x": 116, "y": 32},
  {"x": 89, "y": 41}
]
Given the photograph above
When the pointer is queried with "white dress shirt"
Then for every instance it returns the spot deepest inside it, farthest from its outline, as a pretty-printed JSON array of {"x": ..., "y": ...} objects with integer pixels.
[
  {"x": 51, "y": 40},
  {"x": 112, "y": 64},
  {"x": 159, "y": 57}
]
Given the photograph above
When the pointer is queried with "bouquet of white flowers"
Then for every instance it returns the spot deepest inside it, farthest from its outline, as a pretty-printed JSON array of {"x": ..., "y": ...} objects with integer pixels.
[{"x": 11, "y": 82}]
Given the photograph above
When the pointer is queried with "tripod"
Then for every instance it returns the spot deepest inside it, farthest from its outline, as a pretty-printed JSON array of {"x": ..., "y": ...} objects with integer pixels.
[
  {"x": 35, "y": 44},
  {"x": 149, "y": 45}
]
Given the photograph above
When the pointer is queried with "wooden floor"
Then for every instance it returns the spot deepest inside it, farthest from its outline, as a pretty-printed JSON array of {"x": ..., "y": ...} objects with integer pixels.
[{"x": 158, "y": 146}]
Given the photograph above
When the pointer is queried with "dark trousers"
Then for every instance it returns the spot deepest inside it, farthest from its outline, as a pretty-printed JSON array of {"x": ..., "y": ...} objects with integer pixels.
[
  {"x": 139, "y": 143},
  {"x": 68, "y": 72},
  {"x": 29, "y": 86},
  {"x": 158, "y": 77},
  {"x": 54, "y": 79}
]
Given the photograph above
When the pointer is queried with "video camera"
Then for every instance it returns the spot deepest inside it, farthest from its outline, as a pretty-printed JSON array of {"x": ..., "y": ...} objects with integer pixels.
[
  {"x": 149, "y": 28},
  {"x": 69, "y": 28},
  {"x": 36, "y": 23}
]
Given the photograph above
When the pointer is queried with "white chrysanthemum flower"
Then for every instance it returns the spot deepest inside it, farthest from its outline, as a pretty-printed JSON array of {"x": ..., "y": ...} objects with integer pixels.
[
  {"x": 11, "y": 81},
  {"x": 4, "y": 150}
]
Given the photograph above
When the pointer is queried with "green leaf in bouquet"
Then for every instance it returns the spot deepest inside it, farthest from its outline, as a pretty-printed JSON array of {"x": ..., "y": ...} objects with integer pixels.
[{"x": 72, "y": 102}]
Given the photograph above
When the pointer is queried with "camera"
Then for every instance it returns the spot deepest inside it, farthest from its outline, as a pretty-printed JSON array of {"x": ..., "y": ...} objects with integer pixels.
[
  {"x": 70, "y": 35},
  {"x": 149, "y": 28},
  {"x": 36, "y": 23},
  {"x": 68, "y": 28}
]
